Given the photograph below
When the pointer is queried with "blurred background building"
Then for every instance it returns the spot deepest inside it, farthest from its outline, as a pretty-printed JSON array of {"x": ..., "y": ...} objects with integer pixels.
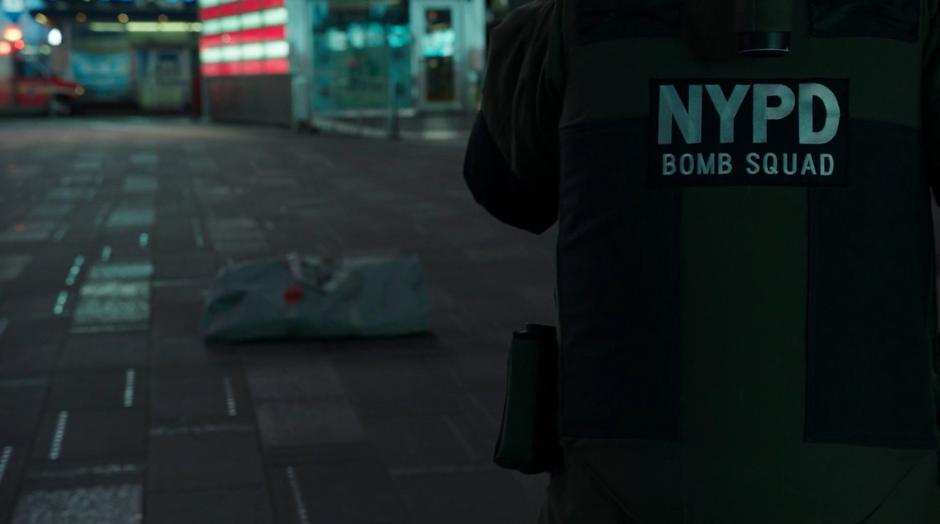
[
  {"x": 289, "y": 62},
  {"x": 135, "y": 54}
]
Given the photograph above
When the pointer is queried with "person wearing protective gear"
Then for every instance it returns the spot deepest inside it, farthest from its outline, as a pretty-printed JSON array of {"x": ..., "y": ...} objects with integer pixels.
[{"x": 746, "y": 282}]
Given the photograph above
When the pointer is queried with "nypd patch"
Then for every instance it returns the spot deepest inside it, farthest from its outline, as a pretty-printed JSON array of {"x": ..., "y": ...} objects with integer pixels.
[{"x": 742, "y": 132}]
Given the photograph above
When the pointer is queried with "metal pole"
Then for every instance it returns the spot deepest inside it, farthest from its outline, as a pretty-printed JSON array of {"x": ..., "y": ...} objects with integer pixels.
[{"x": 394, "y": 133}]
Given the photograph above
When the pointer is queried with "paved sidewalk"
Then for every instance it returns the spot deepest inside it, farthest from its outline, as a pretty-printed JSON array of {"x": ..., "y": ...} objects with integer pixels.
[
  {"x": 112, "y": 410},
  {"x": 448, "y": 127}
]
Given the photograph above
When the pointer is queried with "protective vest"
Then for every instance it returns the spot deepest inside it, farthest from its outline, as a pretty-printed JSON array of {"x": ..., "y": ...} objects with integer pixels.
[
  {"x": 745, "y": 255},
  {"x": 747, "y": 219}
]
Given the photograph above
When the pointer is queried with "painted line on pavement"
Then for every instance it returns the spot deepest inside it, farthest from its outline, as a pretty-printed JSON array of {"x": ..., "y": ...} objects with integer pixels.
[
  {"x": 299, "y": 505},
  {"x": 60, "y": 302},
  {"x": 106, "y": 253},
  {"x": 60, "y": 233},
  {"x": 75, "y": 270},
  {"x": 129, "y": 379},
  {"x": 5, "y": 461},
  {"x": 230, "y": 397},
  {"x": 55, "y": 451},
  {"x": 197, "y": 232},
  {"x": 459, "y": 436}
]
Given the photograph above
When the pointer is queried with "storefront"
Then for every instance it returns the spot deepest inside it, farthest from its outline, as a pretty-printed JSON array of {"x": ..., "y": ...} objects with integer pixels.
[
  {"x": 286, "y": 61},
  {"x": 134, "y": 54}
]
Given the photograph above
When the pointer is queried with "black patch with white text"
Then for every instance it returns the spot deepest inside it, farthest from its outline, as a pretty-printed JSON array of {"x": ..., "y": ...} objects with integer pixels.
[{"x": 748, "y": 132}]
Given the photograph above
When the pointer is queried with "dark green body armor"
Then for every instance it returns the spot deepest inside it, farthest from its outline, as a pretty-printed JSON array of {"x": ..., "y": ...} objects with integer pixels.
[{"x": 746, "y": 280}]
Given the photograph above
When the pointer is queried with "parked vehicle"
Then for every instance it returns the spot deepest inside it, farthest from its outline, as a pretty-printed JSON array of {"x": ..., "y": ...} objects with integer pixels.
[{"x": 28, "y": 86}]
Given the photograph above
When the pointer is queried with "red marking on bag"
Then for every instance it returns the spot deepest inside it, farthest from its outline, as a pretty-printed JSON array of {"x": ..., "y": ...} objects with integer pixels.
[{"x": 293, "y": 295}]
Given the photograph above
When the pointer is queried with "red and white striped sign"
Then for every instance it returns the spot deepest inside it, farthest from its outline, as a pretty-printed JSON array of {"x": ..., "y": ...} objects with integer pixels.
[{"x": 243, "y": 37}]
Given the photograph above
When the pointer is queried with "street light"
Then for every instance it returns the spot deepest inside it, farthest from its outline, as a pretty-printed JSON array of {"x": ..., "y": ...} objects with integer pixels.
[
  {"x": 55, "y": 37},
  {"x": 12, "y": 33}
]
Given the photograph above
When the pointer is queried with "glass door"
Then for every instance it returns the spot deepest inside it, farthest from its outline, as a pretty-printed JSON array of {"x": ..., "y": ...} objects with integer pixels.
[{"x": 437, "y": 50}]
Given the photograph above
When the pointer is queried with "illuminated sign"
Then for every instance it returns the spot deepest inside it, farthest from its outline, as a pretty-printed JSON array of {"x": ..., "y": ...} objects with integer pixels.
[
  {"x": 13, "y": 8},
  {"x": 243, "y": 37}
]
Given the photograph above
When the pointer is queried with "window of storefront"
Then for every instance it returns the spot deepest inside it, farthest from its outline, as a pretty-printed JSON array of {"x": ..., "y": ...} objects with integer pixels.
[{"x": 362, "y": 55}]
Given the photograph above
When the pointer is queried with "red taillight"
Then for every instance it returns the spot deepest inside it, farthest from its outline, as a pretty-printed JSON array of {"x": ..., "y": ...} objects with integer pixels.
[{"x": 19, "y": 45}]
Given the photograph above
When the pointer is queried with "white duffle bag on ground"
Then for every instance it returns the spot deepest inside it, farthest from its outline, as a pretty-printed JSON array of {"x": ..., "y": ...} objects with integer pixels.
[{"x": 317, "y": 297}]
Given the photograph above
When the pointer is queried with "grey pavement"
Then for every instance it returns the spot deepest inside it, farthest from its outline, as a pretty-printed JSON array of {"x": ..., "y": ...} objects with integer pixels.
[
  {"x": 452, "y": 127},
  {"x": 113, "y": 410}
]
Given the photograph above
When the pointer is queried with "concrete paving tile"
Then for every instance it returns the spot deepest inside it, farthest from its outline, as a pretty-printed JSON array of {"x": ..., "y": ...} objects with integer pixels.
[
  {"x": 333, "y": 493},
  {"x": 203, "y": 206},
  {"x": 203, "y": 461},
  {"x": 102, "y": 390},
  {"x": 12, "y": 265},
  {"x": 535, "y": 487},
  {"x": 131, "y": 216},
  {"x": 22, "y": 359},
  {"x": 229, "y": 506},
  {"x": 465, "y": 498},
  {"x": 120, "y": 270},
  {"x": 170, "y": 266},
  {"x": 190, "y": 397},
  {"x": 381, "y": 384},
  {"x": 50, "y": 210},
  {"x": 189, "y": 352},
  {"x": 106, "y": 351},
  {"x": 389, "y": 348},
  {"x": 46, "y": 267},
  {"x": 295, "y": 379},
  {"x": 179, "y": 319},
  {"x": 182, "y": 291},
  {"x": 117, "y": 504},
  {"x": 81, "y": 180},
  {"x": 237, "y": 236},
  {"x": 173, "y": 241},
  {"x": 479, "y": 367},
  {"x": 328, "y": 453},
  {"x": 13, "y": 461},
  {"x": 175, "y": 219},
  {"x": 308, "y": 423},
  {"x": 145, "y": 158},
  {"x": 141, "y": 184},
  {"x": 428, "y": 441},
  {"x": 30, "y": 307},
  {"x": 113, "y": 303},
  {"x": 72, "y": 194},
  {"x": 28, "y": 231},
  {"x": 81, "y": 473},
  {"x": 69, "y": 436},
  {"x": 21, "y": 402}
]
